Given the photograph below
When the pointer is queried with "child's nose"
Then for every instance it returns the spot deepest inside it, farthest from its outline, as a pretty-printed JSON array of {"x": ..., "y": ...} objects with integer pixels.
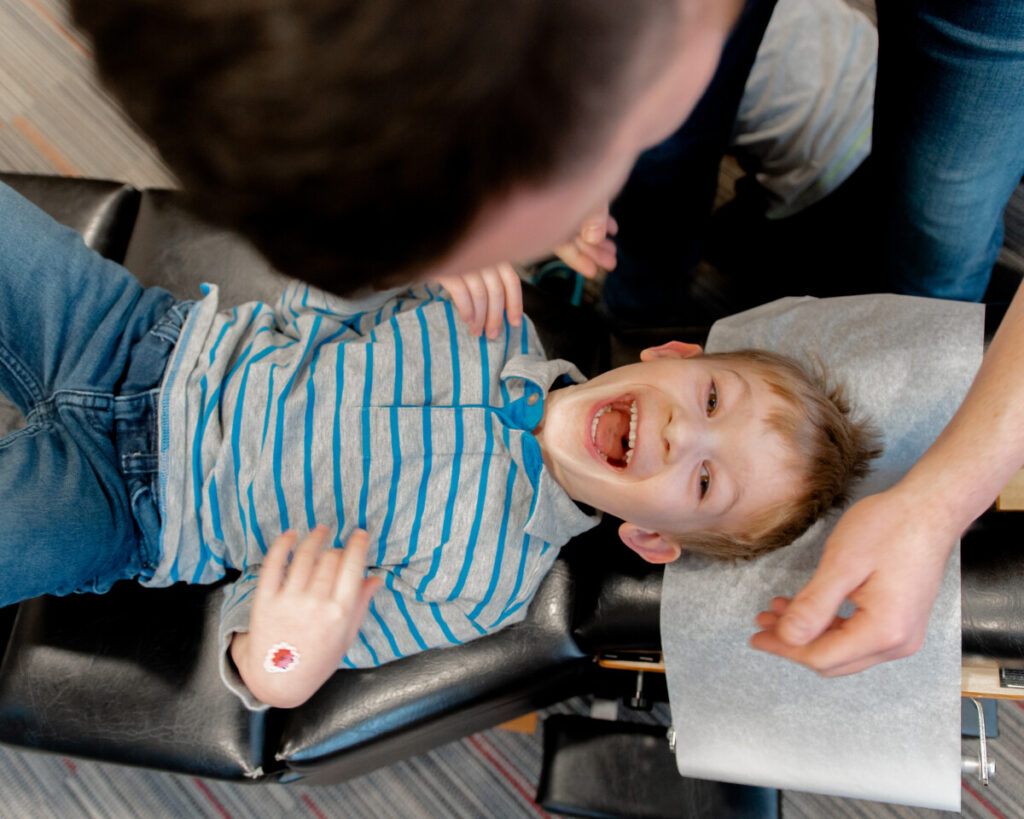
[{"x": 683, "y": 434}]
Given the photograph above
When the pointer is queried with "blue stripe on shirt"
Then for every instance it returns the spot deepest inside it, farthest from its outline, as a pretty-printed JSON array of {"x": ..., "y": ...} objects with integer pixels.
[
  {"x": 307, "y": 440},
  {"x": 367, "y": 452},
  {"x": 339, "y": 505},
  {"x": 282, "y": 504},
  {"x": 481, "y": 496},
  {"x": 389, "y": 581},
  {"x": 421, "y": 494},
  {"x": 236, "y": 432},
  {"x": 453, "y": 487},
  {"x": 496, "y": 570},
  {"x": 385, "y": 631},
  {"x": 396, "y": 452}
]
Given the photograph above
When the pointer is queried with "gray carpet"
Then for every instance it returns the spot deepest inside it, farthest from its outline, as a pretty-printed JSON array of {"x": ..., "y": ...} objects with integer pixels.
[{"x": 54, "y": 119}]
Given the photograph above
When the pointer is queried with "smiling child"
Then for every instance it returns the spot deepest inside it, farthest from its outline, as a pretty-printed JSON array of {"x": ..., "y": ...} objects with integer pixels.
[{"x": 169, "y": 441}]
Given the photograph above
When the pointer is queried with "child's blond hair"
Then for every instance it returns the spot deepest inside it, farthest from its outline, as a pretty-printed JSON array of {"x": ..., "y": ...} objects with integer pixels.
[{"x": 833, "y": 451}]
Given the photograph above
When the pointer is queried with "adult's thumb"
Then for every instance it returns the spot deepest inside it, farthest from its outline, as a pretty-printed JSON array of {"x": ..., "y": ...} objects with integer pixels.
[{"x": 811, "y": 611}]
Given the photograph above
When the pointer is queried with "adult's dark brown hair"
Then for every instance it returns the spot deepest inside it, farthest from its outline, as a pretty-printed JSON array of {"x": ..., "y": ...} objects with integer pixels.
[{"x": 354, "y": 141}]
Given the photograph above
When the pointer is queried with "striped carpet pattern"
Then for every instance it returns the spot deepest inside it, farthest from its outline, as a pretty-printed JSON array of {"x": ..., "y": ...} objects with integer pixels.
[{"x": 54, "y": 118}]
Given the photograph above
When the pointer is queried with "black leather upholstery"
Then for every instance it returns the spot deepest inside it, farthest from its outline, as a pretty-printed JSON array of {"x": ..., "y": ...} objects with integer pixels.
[
  {"x": 131, "y": 676},
  {"x": 992, "y": 592},
  {"x": 600, "y": 769},
  {"x": 128, "y": 677}
]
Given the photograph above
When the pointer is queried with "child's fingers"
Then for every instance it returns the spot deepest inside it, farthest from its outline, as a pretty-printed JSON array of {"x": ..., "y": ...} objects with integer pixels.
[
  {"x": 352, "y": 568},
  {"x": 460, "y": 296},
  {"x": 577, "y": 260},
  {"x": 595, "y": 226},
  {"x": 513, "y": 286},
  {"x": 495, "y": 287},
  {"x": 321, "y": 583},
  {"x": 478, "y": 294},
  {"x": 272, "y": 570},
  {"x": 604, "y": 253},
  {"x": 304, "y": 558}
]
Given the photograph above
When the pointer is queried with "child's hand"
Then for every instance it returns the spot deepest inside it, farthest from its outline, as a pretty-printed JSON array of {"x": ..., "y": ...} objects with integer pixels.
[
  {"x": 484, "y": 297},
  {"x": 305, "y": 616},
  {"x": 592, "y": 248}
]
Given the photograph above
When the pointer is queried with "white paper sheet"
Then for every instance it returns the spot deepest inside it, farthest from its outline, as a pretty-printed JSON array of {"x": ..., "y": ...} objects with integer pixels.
[{"x": 892, "y": 732}]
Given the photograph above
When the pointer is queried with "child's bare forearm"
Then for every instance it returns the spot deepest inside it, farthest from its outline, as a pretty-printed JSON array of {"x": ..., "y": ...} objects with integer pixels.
[{"x": 280, "y": 690}]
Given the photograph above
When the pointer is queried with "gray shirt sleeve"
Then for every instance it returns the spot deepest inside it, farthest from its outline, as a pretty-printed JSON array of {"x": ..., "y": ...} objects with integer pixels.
[{"x": 234, "y": 617}]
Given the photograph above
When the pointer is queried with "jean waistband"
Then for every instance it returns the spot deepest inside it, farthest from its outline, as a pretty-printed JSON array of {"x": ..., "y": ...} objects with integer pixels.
[{"x": 152, "y": 352}]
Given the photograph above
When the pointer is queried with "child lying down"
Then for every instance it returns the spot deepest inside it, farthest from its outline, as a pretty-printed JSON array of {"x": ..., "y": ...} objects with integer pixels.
[{"x": 174, "y": 442}]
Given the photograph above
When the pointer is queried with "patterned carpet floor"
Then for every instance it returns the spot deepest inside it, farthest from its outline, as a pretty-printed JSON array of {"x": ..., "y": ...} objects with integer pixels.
[{"x": 55, "y": 119}]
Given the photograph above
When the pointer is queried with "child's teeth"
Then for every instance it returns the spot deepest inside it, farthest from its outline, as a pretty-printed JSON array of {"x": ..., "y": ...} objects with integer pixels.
[
  {"x": 631, "y": 440},
  {"x": 632, "y": 429},
  {"x": 593, "y": 426}
]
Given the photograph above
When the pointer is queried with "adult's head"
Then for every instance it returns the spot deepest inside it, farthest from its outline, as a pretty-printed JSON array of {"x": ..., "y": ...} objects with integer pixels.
[{"x": 359, "y": 142}]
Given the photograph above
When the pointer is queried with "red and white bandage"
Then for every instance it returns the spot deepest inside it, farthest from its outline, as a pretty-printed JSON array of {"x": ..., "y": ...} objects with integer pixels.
[{"x": 281, "y": 657}]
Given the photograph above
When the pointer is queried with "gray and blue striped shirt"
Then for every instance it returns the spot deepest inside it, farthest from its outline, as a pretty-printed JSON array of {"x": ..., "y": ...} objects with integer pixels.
[{"x": 382, "y": 413}]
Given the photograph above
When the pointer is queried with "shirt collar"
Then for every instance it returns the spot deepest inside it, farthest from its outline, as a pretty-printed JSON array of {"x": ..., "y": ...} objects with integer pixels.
[
  {"x": 543, "y": 372},
  {"x": 556, "y": 518}
]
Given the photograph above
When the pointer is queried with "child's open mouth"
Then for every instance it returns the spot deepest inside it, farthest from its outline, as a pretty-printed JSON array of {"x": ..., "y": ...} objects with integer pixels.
[{"x": 613, "y": 431}]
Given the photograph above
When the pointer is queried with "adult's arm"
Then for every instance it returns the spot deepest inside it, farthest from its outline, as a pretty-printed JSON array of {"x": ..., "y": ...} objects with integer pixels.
[{"x": 888, "y": 552}]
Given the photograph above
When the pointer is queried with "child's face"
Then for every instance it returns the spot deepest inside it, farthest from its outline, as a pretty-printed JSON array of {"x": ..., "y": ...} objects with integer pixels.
[{"x": 673, "y": 444}]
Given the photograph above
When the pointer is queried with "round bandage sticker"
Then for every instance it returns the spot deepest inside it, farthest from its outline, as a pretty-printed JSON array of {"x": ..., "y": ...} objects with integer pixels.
[{"x": 281, "y": 657}]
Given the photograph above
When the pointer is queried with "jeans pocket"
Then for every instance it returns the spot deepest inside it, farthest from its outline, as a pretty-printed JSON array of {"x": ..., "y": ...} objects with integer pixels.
[{"x": 144, "y": 509}]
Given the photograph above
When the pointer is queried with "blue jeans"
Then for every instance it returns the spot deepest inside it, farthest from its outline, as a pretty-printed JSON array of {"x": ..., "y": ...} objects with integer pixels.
[
  {"x": 949, "y": 138},
  {"x": 83, "y": 347},
  {"x": 665, "y": 207}
]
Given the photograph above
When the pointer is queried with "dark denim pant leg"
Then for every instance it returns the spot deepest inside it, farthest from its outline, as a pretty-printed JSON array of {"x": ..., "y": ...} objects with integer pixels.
[
  {"x": 665, "y": 207},
  {"x": 71, "y": 324},
  {"x": 948, "y": 139}
]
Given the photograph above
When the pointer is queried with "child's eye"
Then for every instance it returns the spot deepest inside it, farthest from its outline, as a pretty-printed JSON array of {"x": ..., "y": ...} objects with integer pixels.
[
  {"x": 712, "y": 398},
  {"x": 705, "y": 481}
]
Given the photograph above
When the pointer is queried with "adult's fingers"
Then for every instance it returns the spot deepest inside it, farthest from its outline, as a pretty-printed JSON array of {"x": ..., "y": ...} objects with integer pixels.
[
  {"x": 816, "y": 604},
  {"x": 817, "y": 656},
  {"x": 847, "y": 646}
]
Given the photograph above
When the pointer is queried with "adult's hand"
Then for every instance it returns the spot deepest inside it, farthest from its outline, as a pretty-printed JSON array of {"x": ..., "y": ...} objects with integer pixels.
[
  {"x": 888, "y": 551},
  {"x": 893, "y": 589}
]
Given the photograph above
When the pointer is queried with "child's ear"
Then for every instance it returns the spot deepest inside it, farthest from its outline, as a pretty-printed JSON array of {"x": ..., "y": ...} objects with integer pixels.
[
  {"x": 651, "y": 546},
  {"x": 671, "y": 349}
]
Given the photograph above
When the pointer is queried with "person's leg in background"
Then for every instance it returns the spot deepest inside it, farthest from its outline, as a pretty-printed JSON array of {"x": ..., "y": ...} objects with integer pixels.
[
  {"x": 664, "y": 209},
  {"x": 800, "y": 221},
  {"x": 948, "y": 139},
  {"x": 75, "y": 330}
]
